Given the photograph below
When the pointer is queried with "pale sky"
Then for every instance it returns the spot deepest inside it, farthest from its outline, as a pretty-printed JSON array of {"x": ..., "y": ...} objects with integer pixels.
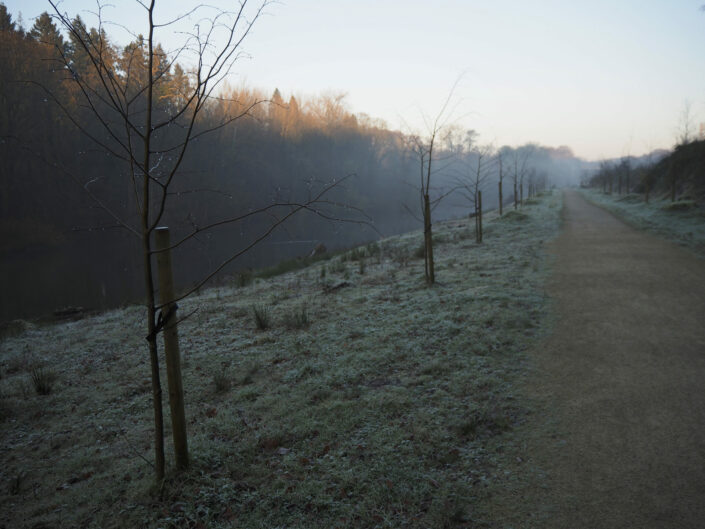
[{"x": 606, "y": 78}]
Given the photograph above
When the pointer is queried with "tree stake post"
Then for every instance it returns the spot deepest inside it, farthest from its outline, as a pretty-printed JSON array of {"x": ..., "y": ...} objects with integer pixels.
[{"x": 171, "y": 346}]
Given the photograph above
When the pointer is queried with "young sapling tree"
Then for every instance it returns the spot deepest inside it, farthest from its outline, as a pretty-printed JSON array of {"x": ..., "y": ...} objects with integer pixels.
[{"x": 143, "y": 109}]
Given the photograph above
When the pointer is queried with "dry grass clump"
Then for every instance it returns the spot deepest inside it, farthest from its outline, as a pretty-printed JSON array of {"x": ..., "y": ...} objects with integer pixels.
[
  {"x": 42, "y": 380},
  {"x": 262, "y": 317}
]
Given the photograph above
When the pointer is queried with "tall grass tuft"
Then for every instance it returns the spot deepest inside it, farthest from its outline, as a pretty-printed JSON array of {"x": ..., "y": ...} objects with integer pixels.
[
  {"x": 262, "y": 317},
  {"x": 43, "y": 380}
]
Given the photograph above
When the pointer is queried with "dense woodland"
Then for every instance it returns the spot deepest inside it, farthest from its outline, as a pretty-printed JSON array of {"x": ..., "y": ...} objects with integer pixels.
[{"x": 62, "y": 187}]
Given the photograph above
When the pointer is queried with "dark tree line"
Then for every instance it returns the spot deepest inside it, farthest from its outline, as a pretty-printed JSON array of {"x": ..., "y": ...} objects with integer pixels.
[
  {"x": 61, "y": 192},
  {"x": 672, "y": 175}
]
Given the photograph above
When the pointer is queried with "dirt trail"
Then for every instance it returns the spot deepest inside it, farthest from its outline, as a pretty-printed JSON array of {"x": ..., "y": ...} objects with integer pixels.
[{"x": 624, "y": 373}]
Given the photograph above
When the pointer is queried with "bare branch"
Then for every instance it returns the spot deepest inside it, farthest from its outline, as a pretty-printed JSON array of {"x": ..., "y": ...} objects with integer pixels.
[
  {"x": 309, "y": 204},
  {"x": 294, "y": 208}
]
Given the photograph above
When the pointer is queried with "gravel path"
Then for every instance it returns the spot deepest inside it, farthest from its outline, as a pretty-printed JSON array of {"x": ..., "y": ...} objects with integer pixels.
[{"x": 624, "y": 373}]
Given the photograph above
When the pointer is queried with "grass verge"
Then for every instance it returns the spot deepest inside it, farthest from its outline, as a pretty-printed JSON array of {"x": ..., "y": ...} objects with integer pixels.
[{"x": 682, "y": 221}]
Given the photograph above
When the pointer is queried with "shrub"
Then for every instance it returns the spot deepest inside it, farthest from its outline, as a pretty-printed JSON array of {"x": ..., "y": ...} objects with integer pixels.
[
  {"x": 261, "y": 316},
  {"x": 43, "y": 380}
]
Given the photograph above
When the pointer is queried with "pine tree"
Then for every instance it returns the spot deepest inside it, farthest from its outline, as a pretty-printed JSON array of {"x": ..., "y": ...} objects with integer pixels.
[
  {"x": 45, "y": 31},
  {"x": 6, "y": 23},
  {"x": 277, "y": 111}
]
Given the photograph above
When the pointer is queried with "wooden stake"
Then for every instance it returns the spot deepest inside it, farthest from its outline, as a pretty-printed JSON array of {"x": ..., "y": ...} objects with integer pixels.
[{"x": 171, "y": 347}]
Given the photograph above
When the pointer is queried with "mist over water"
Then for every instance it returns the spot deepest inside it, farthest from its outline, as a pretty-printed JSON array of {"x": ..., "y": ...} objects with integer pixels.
[{"x": 101, "y": 268}]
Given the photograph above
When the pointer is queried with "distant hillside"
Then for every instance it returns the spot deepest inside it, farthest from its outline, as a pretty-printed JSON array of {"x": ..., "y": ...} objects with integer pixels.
[{"x": 682, "y": 171}]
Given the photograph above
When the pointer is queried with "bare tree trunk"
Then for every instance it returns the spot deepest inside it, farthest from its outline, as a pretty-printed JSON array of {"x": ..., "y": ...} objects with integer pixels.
[
  {"x": 478, "y": 217},
  {"x": 516, "y": 204},
  {"x": 500, "y": 186},
  {"x": 171, "y": 347},
  {"x": 500, "y": 198},
  {"x": 477, "y": 225},
  {"x": 154, "y": 363},
  {"x": 149, "y": 278},
  {"x": 521, "y": 193},
  {"x": 428, "y": 239}
]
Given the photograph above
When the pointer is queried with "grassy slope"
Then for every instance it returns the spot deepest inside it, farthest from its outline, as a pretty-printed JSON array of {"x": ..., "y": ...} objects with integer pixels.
[
  {"x": 682, "y": 222},
  {"x": 394, "y": 407}
]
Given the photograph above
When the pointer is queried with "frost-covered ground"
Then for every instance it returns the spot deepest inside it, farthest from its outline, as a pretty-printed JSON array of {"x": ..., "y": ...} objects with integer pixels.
[
  {"x": 379, "y": 403},
  {"x": 681, "y": 221}
]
